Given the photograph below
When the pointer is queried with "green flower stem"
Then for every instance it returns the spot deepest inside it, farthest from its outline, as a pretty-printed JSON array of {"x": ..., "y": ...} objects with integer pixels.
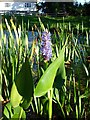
[{"x": 50, "y": 92}]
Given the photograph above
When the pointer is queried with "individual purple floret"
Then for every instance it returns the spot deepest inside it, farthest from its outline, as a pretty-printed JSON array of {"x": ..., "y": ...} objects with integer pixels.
[{"x": 46, "y": 48}]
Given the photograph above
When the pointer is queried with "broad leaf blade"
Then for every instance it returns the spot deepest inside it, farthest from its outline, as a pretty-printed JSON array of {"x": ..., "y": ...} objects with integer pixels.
[
  {"x": 8, "y": 110},
  {"x": 24, "y": 81},
  {"x": 15, "y": 96},
  {"x": 47, "y": 79},
  {"x": 61, "y": 74},
  {"x": 26, "y": 103},
  {"x": 19, "y": 113}
]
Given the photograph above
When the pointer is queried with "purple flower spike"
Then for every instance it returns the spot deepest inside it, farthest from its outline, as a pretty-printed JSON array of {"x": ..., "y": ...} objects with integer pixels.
[{"x": 46, "y": 48}]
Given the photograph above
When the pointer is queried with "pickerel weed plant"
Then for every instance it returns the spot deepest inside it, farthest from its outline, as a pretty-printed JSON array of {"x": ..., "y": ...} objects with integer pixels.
[
  {"x": 59, "y": 83},
  {"x": 46, "y": 49}
]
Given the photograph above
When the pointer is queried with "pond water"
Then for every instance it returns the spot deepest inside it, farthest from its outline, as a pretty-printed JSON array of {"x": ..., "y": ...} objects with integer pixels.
[
  {"x": 34, "y": 35},
  {"x": 31, "y": 36}
]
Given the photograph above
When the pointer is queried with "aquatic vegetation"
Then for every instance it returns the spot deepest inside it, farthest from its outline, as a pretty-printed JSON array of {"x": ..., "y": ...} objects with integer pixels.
[{"x": 61, "y": 89}]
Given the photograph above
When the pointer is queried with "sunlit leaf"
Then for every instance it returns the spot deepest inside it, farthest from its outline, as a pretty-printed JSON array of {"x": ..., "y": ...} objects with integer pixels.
[
  {"x": 61, "y": 74},
  {"x": 8, "y": 110},
  {"x": 15, "y": 116},
  {"x": 15, "y": 96},
  {"x": 47, "y": 79},
  {"x": 19, "y": 113}
]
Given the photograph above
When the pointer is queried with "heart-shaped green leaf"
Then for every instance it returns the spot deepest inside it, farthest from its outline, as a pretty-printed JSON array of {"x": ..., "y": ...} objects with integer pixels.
[
  {"x": 23, "y": 86},
  {"x": 47, "y": 79},
  {"x": 24, "y": 81}
]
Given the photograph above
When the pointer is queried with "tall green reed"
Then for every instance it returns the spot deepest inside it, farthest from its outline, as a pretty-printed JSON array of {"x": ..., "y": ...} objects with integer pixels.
[
  {"x": 0, "y": 64},
  {"x": 60, "y": 84},
  {"x": 72, "y": 53}
]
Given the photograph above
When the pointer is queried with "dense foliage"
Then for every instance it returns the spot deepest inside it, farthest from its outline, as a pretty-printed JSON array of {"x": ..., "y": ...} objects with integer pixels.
[
  {"x": 67, "y": 8},
  {"x": 33, "y": 86}
]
